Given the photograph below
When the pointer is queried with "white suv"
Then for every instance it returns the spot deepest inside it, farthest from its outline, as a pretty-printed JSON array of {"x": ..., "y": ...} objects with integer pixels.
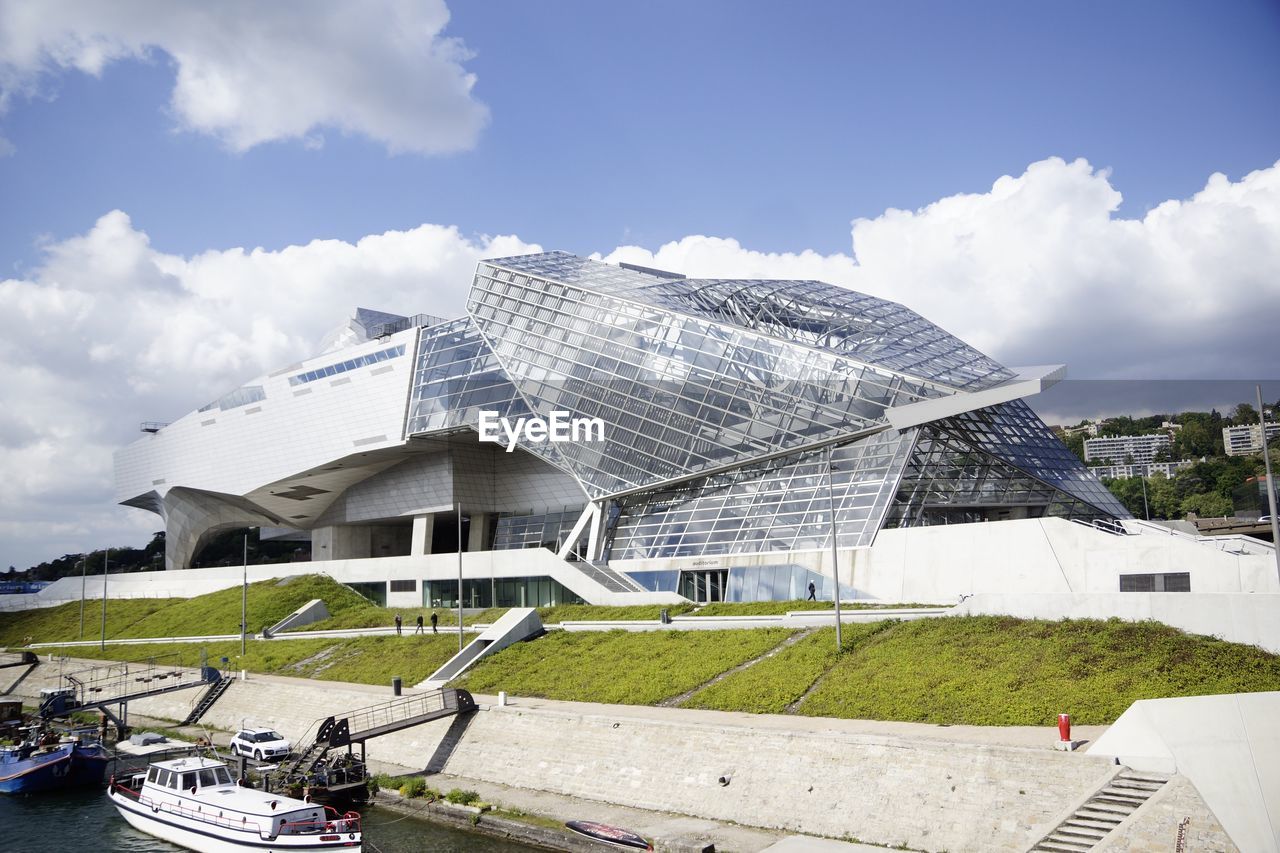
[{"x": 260, "y": 744}]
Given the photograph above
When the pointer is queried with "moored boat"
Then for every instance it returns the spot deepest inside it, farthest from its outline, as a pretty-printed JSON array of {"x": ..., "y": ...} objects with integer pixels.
[
  {"x": 47, "y": 763},
  {"x": 193, "y": 802}
]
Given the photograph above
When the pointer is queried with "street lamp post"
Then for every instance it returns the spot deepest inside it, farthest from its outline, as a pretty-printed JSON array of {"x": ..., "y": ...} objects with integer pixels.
[
  {"x": 459, "y": 509},
  {"x": 105, "y": 565},
  {"x": 1271, "y": 483},
  {"x": 1146, "y": 510},
  {"x": 244, "y": 595},
  {"x": 835, "y": 550},
  {"x": 84, "y": 570}
]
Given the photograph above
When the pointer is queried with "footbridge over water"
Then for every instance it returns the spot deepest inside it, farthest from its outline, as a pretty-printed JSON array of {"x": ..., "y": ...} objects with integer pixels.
[
  {"x": 358, "y": 726},
  {"x": 103, "y": 688}
]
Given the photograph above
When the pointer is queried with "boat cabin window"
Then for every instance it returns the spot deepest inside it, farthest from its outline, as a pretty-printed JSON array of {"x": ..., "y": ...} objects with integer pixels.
[
  {"x": 153, "y": 773},
  {"x": 168, "y": 778},
  {"x": 188, "y": 781},
  {"x": 224, "y": 775},
  {"x": 208, "y": 778}
]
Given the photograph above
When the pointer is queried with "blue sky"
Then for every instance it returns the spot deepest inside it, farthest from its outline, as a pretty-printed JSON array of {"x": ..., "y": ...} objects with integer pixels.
[
  {"x": 195, "y": 193},
  {"x": 611, "y": 124}
]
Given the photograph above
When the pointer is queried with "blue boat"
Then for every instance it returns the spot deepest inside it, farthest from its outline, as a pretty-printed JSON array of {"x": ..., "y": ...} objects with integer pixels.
[{"x": 37, "y": 765}]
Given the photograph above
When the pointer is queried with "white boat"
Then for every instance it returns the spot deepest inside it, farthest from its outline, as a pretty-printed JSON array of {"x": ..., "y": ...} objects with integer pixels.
[{"x": 193, "y": 802}]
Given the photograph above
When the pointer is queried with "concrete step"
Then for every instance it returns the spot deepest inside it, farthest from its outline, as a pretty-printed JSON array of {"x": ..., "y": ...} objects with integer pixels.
[
  {"x": 1079, "y": 832},
  {"x": 1090, "y": 823},
  {"x": 1107, "y": 809},
  {"x": 1069, "y": 842}
]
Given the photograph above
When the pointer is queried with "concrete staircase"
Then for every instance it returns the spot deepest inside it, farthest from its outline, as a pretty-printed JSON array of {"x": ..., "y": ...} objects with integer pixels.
[
  {"x": 611, "y": 580},
  {"x": 1092, "y": 822}
]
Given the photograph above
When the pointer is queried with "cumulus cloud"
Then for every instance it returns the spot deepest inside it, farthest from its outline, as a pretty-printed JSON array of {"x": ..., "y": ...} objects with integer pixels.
[
  {"x": 108, "y": 331},
  {"x": 1040, "y": 269},
  {"x": 249, "y": 72}
]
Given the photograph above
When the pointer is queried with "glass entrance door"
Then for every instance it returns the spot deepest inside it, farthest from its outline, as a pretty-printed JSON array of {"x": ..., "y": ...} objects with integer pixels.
[{"x": 704, "y": 586}]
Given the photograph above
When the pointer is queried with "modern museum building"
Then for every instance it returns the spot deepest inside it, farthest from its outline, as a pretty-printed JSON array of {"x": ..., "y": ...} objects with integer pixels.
[{"x": 612, "y": 434}]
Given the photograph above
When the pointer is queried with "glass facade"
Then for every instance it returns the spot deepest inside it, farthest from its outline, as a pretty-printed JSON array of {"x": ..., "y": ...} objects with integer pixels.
[
  {"x": 544, "y": 530},
  {"x": 367, "y": 360},
  {"x": 720, "y": 399},
  {"x": 237, "y": 398},
  {"x": 498, "y": 592}
]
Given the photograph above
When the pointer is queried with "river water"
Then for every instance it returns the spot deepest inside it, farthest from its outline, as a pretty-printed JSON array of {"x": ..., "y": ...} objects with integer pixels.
[{"x": 85, "y": 822}]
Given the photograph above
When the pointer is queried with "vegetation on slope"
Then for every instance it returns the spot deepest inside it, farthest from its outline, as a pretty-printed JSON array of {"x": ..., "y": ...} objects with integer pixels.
[
  {"x": 216, "y": 613},
  {"x": 363, "y": 660},
  {"x": 995, "y": 670},
  {"x": 62, "y": 623},
  {"x": 980, "y": 670},
  {"x": 622, "y": 667},
  {"x": 774, "y": 684}
]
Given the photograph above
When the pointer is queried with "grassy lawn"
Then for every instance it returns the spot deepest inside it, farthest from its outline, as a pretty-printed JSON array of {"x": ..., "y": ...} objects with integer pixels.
[
  {"x": 62, "y": 623},
  {"x": 363, "y": 660},
  {"x": 618, "y": 666},
  {"x": 995, "y": 670},
  {"x": 775, "y": 683},
  {"x": 216, "y": 613}
]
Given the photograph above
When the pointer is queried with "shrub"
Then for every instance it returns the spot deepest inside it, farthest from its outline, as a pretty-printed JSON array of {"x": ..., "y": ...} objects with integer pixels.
[
  {"x": 413, "y": 788},
  {"x": 461, "y": 797}
]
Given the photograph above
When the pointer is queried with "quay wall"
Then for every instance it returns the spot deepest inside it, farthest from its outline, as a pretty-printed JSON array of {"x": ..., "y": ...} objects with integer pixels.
[{"x": 928, "y": 794}]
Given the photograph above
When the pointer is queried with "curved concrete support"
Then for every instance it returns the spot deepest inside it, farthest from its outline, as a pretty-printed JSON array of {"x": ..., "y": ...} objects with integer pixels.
[{"x": 193, "y": 517}]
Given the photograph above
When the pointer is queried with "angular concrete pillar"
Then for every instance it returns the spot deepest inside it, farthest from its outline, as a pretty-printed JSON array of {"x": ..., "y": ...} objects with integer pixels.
[
  {"x": 478, "y": 533},
  {"x": 420, "y": 545}
]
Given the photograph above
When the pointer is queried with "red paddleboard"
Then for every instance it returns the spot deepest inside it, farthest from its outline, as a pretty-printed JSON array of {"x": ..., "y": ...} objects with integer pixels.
[{"x": 606, "y": 834}]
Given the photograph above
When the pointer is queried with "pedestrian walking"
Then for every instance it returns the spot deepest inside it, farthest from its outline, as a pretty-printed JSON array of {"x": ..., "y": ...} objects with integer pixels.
[
  {"x": 418, "y": 630},
  {"x": 399, "y": 622},
  {"x": 813, "y": 592},
  {"x": 434, "y": 619}
]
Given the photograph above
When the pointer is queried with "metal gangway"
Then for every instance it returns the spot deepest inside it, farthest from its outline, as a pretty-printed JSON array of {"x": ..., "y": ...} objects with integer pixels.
[
  {"x": 358, "y": 726},
  {"x": 116, "y": 685}
]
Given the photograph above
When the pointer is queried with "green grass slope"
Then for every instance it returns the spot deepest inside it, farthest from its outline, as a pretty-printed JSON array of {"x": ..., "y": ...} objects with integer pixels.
[
  {"x": 621, "y": 667},
  {"x": 362, "y": 660},
  {"x": 994, "y": 670},
  {"x": 62, "y": 623},
  {"x": 775, "y": 683}
]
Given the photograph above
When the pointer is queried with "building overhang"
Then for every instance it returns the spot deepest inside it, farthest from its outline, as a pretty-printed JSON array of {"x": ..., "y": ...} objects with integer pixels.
[{"x": 1028, "y": 381}]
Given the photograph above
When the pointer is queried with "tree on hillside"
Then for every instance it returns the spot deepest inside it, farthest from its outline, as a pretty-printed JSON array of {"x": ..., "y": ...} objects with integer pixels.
[
  {"x": 1208, "y": 505},
  {"x": 1244, "y": 415}
]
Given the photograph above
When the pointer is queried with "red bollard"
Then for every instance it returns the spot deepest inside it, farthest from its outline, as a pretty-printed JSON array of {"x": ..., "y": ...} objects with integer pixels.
[{"x": 1064, "y": 727}]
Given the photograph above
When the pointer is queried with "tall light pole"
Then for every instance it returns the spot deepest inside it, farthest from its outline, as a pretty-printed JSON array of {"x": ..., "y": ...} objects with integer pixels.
[
  {"x": 459, "y": 508},
  {"x": 1271, "y": 484},
  {"x": 835, "y": 548},
  {"x": 84, "y": 570},
  {"x": 1146, "y": 510},
  {"x": 105, "y": 556},
  {"x": 244, "y": 594}
]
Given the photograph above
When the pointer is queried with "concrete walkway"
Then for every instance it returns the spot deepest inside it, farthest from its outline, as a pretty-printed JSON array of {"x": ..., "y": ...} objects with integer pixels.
[{"x": 794, "y": 620}]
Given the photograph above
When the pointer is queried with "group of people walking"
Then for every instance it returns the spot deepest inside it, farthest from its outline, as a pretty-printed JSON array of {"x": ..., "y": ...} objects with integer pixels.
[{"x": 418, "y": 630}]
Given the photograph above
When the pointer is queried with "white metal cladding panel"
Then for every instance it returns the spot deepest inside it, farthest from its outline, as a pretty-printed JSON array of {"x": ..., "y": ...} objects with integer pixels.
[{"x": 296, "y": 427}]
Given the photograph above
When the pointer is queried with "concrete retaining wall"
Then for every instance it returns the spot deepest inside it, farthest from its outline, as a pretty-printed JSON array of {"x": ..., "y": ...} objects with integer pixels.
[
  {"x": 1238, "y": 617},
  {"x": 930, "y": 795}
]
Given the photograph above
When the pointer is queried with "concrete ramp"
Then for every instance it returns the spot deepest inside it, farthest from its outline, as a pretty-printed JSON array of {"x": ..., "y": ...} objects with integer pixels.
[
  {"x": 518, "y": 623},
  {"x": 309, "y": 613},
  {"x": 1227, "y": 746}
]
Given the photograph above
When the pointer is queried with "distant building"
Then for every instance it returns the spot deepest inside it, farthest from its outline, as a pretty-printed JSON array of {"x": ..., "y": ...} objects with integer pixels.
[
  {"x": 1126, "y": 449},
  {"x": 1144, "y": 470},
  {"x": 1247, "y": 440}
]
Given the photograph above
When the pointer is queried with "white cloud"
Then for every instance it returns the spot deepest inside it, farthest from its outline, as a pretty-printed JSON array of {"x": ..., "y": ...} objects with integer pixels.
[
  {"x": 109, "y": 332},
  {"x": 1039, "y": 269},
  {"x": 250, "y": 72}
]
